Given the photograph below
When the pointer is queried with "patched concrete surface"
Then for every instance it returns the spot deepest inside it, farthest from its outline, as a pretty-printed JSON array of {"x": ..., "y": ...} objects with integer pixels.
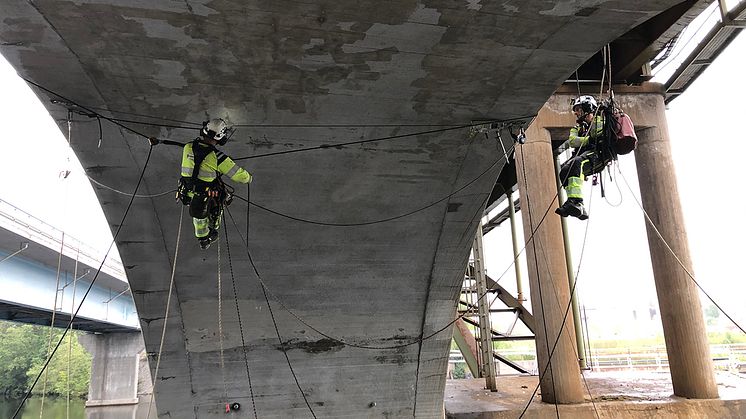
[
  {"x": 630, "y": 395},
  {"x": 292, "y": 75}
]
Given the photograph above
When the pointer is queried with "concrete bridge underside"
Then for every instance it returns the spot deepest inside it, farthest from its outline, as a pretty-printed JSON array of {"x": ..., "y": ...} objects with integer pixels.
[{"x": 304, "y": 74}]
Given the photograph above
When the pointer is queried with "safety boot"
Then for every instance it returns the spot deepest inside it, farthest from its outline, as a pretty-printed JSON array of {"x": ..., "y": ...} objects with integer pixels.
[
  {"x": 573, "y": 207},
  {"x": 205, "y": 242}
]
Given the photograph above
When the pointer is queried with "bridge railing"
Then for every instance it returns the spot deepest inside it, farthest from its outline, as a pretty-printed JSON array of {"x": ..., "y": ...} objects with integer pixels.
[
  {"x": 726, "y": 357},
  {"x": 24, "y": 224}
]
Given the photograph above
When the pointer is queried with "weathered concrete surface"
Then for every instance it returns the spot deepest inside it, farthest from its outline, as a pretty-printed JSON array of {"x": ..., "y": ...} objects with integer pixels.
[
  {"x": 678, "y": 296},
  {"x": 377, "y": 67},
  {"x": 115, "y": 367},
  {"x": 547, "y": 268},
  {"x": 119, "y": 368},
  {"x": 619, "y": 396}
]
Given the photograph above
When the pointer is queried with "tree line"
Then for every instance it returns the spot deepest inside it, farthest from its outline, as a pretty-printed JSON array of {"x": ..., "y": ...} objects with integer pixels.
[{"x": 23, "y": 352}]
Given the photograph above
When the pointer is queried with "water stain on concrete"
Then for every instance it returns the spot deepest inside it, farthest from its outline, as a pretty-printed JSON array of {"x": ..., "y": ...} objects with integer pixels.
[
  {"x": 314, "y": 347},
  {"x": 392, "y": 359}
]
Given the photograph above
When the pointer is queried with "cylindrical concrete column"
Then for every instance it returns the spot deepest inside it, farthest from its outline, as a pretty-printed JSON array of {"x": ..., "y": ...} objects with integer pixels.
[
  {"x": 580, "y": 343},
  {"x": 681, "y": 313},
  {"x": 550, "y": 292}
]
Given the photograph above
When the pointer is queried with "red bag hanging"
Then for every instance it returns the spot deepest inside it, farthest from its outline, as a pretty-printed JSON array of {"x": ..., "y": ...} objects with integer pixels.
[{"x": 626, "y": 139}]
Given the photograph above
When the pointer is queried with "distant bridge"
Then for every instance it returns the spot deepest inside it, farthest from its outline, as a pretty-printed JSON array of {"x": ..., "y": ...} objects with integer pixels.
[
  {"x": 369, "y": 271},
  {"x": 32, "y": 289}
]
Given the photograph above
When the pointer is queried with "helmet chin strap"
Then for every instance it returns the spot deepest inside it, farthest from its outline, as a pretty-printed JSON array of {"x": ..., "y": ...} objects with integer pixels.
[{"x": 581, "y": 118}]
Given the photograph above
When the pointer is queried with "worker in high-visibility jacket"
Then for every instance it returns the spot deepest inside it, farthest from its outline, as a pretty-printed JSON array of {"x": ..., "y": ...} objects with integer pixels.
[
  {"x": 201, "y": 186},
  {"x": 587, "y": 158}
]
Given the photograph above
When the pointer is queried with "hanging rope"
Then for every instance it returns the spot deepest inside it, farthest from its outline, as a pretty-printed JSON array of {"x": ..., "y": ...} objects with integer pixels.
[
  {"x": 562, "y": 325},
  {"x": 51, "y": 323},
  {"x": 248, "y": 208},
  {"x": 608, "y": 66},
  {"x": 480, "y": 210},
  {"x": 551, "y": 353},
  {"x": 573, "y": 294},
  {"x": 116, "y": 121},
  {"x": 59, "y": 265},
  {"x": 70, "y": 340},
  {"x": 615, "y": 166},
  {"x": 371, "y": 347},
  {"x": 156, "y": 195},
  {"x": 90, "y": 286},
  {"x": 384, "y": 220},
  {"x": 277, "y": 330},
  {"x": 338, "y": 145},
  {"x": 541, "y": 298},
  {"x": 165, "y": 315},
  {"x": 220, "y": 328},
  {"x": 238, "y": 315},
  {"x": 604, "y": 52},
  {"x": 554, "y": 346},
  {"x": 678, "y": 260}
]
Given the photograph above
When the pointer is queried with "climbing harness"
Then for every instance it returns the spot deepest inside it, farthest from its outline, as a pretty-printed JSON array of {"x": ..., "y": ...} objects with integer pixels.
[
  {"x": 617, "y": 135},
  {"x": 190, "y": 185},
  {"x": 205, "y": 199}
]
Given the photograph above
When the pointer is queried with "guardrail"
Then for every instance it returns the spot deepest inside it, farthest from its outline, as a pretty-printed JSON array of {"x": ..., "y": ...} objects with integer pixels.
[
  {"x": 725, "y": 357},
  {"x": 24, "y": 224}
]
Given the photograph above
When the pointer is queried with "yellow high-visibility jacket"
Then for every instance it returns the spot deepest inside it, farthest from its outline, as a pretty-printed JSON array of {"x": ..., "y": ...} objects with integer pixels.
[
  {"x": 578, "y": 139},
  {"x": 214, "y": 164}
]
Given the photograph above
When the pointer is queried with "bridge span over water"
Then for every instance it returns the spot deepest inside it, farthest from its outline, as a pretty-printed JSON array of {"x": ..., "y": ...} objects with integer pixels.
[
  {"x": 362, "y": 248},
  {"x": 38, "y": 285}
]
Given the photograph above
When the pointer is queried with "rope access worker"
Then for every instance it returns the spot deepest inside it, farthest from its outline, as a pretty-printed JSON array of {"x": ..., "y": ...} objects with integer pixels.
[
  {"x": 201, "y": 186},
  {"x": 587, "y": 158}
]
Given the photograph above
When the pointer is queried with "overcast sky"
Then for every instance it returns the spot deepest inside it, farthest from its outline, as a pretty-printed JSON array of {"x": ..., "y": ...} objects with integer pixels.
[{"x": 708, "y": 147}]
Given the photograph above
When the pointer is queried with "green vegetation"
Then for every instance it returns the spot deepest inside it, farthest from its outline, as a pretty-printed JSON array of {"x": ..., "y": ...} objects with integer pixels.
[
  {"x": 23, "y": 352},
  {"x": 724, "y": 338},
  {"x": 459, "y": 370},
  {"x": 712, "y": 314}
]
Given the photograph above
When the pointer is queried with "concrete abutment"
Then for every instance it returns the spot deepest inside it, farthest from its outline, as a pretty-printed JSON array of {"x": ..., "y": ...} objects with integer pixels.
[{"x": 119, "y": 369}]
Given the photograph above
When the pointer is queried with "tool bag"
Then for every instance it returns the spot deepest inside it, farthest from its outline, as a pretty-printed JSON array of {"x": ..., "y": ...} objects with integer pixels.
[{"x": 626, "y": 139}]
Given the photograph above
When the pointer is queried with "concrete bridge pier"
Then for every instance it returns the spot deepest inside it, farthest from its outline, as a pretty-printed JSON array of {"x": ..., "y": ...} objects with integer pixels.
[
  {"x": 118, "y": 368},
  {"x": 550, "y": 290},
  {"x": 681, "y": 312},
  {"x": 683, "y": 324}
]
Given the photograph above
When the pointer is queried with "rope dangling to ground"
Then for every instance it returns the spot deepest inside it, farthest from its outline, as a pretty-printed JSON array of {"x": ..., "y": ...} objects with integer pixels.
[
  {"x": 220, "y": 329},
  {"x": 165, "y": 316},
  {"x": 238, "y": 315},
  {"x": 274, "y": 321}
]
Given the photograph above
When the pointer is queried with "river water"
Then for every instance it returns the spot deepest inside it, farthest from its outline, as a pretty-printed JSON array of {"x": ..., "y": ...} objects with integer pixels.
[{"x": 56, "y": 408}]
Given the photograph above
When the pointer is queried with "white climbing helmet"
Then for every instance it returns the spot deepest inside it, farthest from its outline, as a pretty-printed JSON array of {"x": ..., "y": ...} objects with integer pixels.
[
  {"x": 588, "y": 103},
  {"x": 215, "y": 129}
]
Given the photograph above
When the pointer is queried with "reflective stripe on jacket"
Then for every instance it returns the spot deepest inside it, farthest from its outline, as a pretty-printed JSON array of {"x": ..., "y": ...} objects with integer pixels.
[
  {"x": 215, "y": 163},
  {"x": 579, "y": 139}
]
